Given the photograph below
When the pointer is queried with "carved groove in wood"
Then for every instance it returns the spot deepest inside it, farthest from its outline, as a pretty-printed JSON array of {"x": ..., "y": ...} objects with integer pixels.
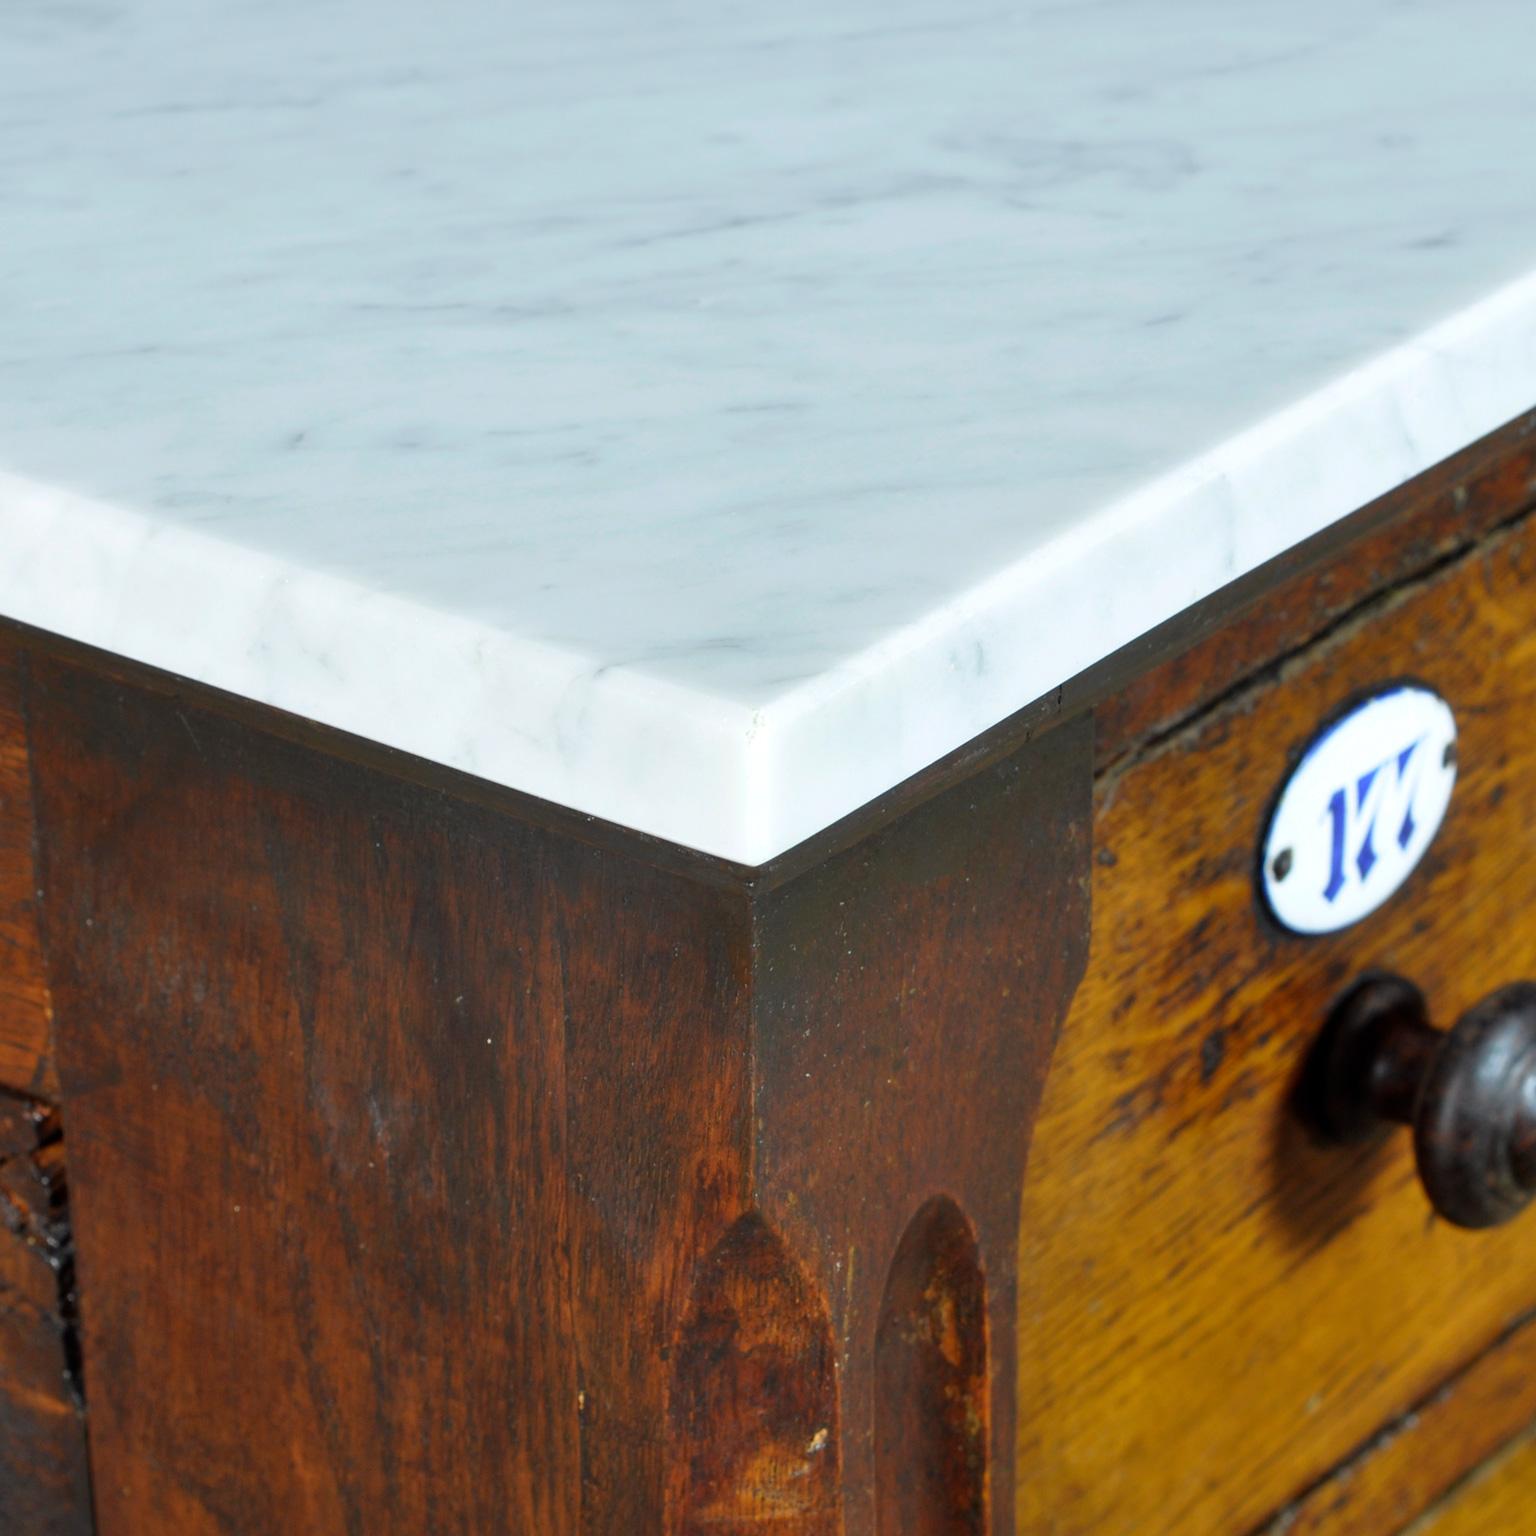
[
  {"x": 754, "y": 1398},
  {"x": 931, "y": 1409}
]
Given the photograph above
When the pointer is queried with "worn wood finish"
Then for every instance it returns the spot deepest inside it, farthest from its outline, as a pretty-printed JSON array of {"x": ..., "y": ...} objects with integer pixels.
[
  {"x": 754, "y": 1404},
  {"x": 909, "y": 998},
  {"x": 1213, "y": 1309},
  {"x": 442, "y": 1171},
  {"x": 44, "y": 1480},
  {"x": 931, "y": 1409},
  {"x": 26, "y": 1057},
  {"x": 398, "y": 1128}
]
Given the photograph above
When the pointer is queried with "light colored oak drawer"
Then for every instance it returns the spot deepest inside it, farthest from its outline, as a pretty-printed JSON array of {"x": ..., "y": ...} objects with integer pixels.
[
  {"x": 1215, "y": 1310},
  {"x": 1497, "y": 1500}
]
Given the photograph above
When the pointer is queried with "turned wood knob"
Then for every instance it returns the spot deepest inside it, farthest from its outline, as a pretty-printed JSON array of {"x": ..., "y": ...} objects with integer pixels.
[{"x": 1469, "y": 1093}]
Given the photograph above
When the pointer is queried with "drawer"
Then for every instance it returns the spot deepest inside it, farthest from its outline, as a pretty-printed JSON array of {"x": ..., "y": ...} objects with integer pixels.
[
  {"x": 1214, "y": 1309},
  {"x": 25, "y": 1060},
  {"x": 1496, "y": 1498}
]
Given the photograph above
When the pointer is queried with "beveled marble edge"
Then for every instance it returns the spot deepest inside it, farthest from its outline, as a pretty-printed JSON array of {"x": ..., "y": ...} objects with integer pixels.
[{"x": 707, "y": 772}]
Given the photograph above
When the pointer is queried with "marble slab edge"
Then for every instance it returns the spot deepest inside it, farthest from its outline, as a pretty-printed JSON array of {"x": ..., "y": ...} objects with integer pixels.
[{"x": 709, "y": 773}]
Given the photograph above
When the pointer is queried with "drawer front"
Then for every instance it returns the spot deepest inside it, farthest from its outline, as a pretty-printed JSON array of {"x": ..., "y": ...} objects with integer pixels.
[
  {"x": 25, "y": 1060},
  {"x": 1215, "y": 1310},
  {"x": 1497, "y": 1498}
]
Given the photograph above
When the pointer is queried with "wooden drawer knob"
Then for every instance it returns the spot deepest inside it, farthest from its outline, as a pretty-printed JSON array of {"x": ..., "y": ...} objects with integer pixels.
[{"x": 1469, "y": 1093}]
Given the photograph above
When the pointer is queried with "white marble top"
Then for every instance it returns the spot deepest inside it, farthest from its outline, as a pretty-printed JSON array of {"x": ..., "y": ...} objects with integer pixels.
[{"x": 706, "y": 415}]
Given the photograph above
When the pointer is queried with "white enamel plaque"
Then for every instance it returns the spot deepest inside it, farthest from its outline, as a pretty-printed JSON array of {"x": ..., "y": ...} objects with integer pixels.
[{"x": 1360, "y": 809}]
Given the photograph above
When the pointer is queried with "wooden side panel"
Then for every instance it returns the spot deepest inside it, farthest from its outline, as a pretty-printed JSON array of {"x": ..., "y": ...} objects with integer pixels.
[
  {"x": 1215, "y": 1311},
  {"x": 655, "y": 975},
  {"x": 26, "y": 1057},
  {"x": 44, "y": 1478},
  {"x": 399, "y": 1127},
  {"x": 910, "y": 993},
  {"x": 931, "y": 1381}
]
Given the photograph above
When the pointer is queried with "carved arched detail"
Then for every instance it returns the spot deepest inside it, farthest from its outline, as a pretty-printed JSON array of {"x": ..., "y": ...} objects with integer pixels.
[
  {"x": 754, "y": 1397},
  {"x": 931, "y": 1406}
]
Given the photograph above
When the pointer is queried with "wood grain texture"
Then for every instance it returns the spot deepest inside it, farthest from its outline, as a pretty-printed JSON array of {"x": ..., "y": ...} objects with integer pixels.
[
  {"x": 26, "y": 1055},
  {"x": 754, "y": 1410},
  {"x": 1414, "y": 1461},
  {"x": 398, "y": 1128},
  {"x": 44, "y": 1477},
  {"x": 1495, "y": 1501},
  {"x": 1213, "y": 1310},
  {"x": 909, "y": 996},
  {"x": 441, "y": 1171},
  {"x": 931, "y": 1381}
]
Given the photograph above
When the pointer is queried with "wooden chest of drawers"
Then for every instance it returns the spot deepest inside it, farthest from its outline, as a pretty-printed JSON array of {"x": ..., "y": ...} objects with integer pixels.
[
  {"x": 1219, "y": 1310},
  {"x": 677, "y": 685},
  {"x": 442, "y": 1160}
]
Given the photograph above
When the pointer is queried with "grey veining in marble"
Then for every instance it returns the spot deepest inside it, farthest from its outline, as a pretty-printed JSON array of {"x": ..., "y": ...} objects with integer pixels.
[{"x": 707, "y": 415}]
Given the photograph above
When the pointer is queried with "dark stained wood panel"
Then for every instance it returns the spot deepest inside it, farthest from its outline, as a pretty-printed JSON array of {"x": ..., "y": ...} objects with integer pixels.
[
  {"x": 931, "y": 1381},
  {"x": 653, "y": 994},
  {"x": 44, "y": 1477},
  {"x": 420, "y": 1147},
  {"x": 397, "y": 1126},
  {"x": 26, "y": 1055},
  {"x": 754, "y": 1412},
  {"x": 909, "y": 998}
]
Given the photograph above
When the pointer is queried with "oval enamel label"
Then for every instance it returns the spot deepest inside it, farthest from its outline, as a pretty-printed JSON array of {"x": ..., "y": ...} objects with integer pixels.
[{"x": 1359, "y": 810}]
